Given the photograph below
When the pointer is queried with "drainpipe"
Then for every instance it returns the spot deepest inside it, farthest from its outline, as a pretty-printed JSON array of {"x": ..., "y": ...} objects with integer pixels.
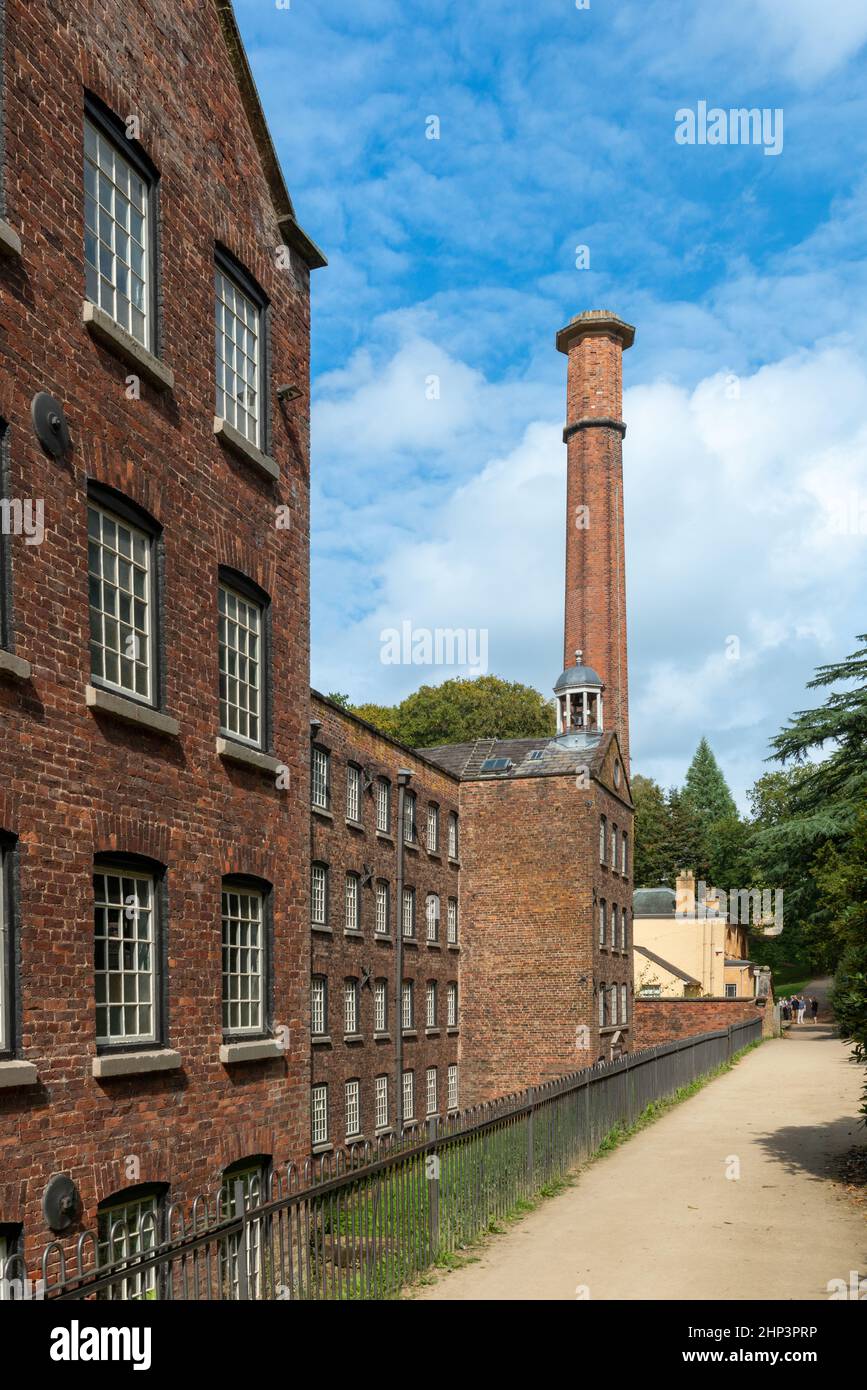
[{"x": 404, "y": 777}]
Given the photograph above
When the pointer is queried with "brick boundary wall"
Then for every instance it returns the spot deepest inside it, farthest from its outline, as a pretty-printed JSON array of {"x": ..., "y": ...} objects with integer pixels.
[{"x": 667, "y": 1020}]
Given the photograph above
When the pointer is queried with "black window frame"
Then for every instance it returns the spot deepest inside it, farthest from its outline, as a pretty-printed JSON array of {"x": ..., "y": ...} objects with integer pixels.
[
  {"x": 114, "y": 129},
  {"x": 233, "y": 269},
  {"x": 230, "y": 578},
  {"x": 115, "y": 861},
  {"x": 111, "y": 500},
  {"x": 10, "y": 963},
  {"x": 319, "y": 975},
  {"x": 252, "y": 883},
  {"x": 136, "y": 1192}
]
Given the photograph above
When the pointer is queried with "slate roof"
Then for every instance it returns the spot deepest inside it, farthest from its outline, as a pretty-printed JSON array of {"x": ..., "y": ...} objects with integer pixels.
[
  {"x": 558, "y": 756},
  {"x": 666, "y": 964}
]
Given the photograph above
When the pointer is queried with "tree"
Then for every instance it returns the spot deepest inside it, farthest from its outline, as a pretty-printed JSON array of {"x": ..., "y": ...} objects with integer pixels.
[
  {"x": 706, "y": 787},
  {"x": 686, "y": 835},
  {"x": 652, "y": 856},
  {"x": 841, "y": 876},
  {"x": 461, "y": 709}
]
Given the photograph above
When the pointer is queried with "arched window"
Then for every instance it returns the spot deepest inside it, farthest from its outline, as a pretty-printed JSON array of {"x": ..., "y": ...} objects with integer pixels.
[{"x": 129, "y": 1222}]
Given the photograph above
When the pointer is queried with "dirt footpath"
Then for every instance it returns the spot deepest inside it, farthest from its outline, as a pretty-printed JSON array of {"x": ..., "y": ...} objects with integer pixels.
[{"x": 659, "y": 1218}]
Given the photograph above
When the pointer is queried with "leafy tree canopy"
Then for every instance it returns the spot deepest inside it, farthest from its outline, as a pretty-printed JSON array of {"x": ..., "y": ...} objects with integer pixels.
[{"x": 462, "y": 709}]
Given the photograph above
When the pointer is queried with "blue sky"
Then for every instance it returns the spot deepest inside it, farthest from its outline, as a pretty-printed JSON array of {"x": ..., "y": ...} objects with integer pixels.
[{"x": 745, "y": 476}]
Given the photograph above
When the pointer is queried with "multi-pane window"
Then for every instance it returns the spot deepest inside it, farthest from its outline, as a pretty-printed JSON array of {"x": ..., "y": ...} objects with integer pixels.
[
  {"x": 319, "y": 1006},
  {"x": 240, "y": 643},
  {"x": 243, "y": 961},
  {"x": 432, "y": 916},
  {"x": 319, "y": 1114},
  {"x": 320, "y": 778},
  {"x": 239, "y": 356},
  {"x": 119, "y": 562},
  {"x": 603, "y": 831},
  {"x": 352, "y": 1107},
  {"x": 352, "y": 900},
  {"x": 5, "y": 965},
  {"x": 624, "y": 1014},
  {"x": 353, "y": 793},
  {"x": 319, "y": 895},
  {"x": 433, "y": 827},
  {"x": 409, "y": 1095},
  {"x": 383, "y": 805},
  {"x": 117, "y": 236},
  {"x": 409, "y": 817},
  {"x": 125, "y": 956},
  {"x": 452, "y": 927},
  {"x": 380, "y": 1006},
  {"x": 613, "y": 846},
  {"x": 602, "y": 911},
  {"x": 381, "y": 896},
  {"x": 254, "y": 1190},
  {"x": 624, "y": 929},
  {"x": 452, "y": 1005},
  {"x": 624, "y": 855},
  {"x": 613, "y": 1003},
  {"x": 350, "y": 1006},
  {"x": 409, "y": 912},
  {"x": 407, "y": 1004},
  {"x": 453, "y": 1086},
  {"x": 431, "y": 1010},
  {"x": 381, "y": 1092},
  {"x": 453, "y": 835},
  {"x": 601, "y": 1001},
  {"x": 614, "y": 927},
  {"x": 126, "y": 1229},
  {"x": 431, "y": 1090}
]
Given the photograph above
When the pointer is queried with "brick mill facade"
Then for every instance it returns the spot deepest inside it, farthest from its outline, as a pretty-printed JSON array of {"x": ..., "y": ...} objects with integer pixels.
[
  {"x": 154, "y": 666},
  {"x": 237, "y": 924}
]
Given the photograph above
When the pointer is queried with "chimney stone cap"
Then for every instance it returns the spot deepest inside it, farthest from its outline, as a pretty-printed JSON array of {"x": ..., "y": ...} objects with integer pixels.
[{"x": 597, "y": 322}]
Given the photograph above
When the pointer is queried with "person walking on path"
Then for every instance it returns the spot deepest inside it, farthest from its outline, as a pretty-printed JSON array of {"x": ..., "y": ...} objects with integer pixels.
[
  {"x": 787, "y": 1011},
  {"x": 802, "y": 1008},
  {"x": 814, "y": 1008}
]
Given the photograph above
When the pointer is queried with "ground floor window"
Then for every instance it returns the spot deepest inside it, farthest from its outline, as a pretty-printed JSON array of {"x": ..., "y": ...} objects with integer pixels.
[{"x": 129, "y": 1225}]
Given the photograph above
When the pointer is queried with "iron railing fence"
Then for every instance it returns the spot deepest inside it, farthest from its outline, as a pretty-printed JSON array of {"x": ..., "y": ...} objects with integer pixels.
[{"x": 361, "y": 1223}]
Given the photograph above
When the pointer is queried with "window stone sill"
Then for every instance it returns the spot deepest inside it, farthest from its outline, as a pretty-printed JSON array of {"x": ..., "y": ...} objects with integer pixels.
[
  {"x": 355, "y": 824},
  {"x": 354, "y": 933},
  {"x": 410, "y": 1033},
  {"x": 382, "y": 1037},
  {"x": 321, "y": 811},
  {"x": 384, "y": 835},
  {"x": 321, "y": 1040},
  {"x": 14, "y": 666},
  {"x": 130, "y": 712},
  {"x": 135, "y": 1063},
  {"x": 232, "y": 752},
  {"x": 455, "y": 863},
  {"x": 385, "y": 937},
  {"x": 124, "y": 345},
  {"x": 321, "y": 927},
  {"x": 234, "y": 440},
  {"x": 10, "y": 241},
  {"x": 322, "y": 1149},
  {"x": 431, "y": 1032},
  {"x": 251, "y": 1050},
  {"x": 453, "y": 1032},
  {"x": 383, "y": 1131},
  {"x": 353, "y": 1037},
  {"x": 453, "y": 946},
  {"x": 16, "y": 1073}
]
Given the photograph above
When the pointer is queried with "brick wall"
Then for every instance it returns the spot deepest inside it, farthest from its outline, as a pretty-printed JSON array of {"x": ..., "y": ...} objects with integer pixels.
[
  {"x": 347, "y": 847},
  {"x": 666, "y": 1020},
  {"x": 75, "y": 783},
  {"x": 530, "y": 884}
]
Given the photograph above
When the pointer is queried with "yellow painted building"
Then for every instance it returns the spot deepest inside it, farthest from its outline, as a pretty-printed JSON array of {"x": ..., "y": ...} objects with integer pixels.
[{"x": 682, "y": 950}]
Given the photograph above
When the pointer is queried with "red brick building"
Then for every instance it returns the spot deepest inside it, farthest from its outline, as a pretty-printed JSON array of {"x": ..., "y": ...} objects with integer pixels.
[
  {"x": 386, "y": 933},
  {"x": 154, "y": 671}
]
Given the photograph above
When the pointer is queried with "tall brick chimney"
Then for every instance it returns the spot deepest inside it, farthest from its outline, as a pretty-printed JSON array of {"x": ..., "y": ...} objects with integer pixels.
[{"x": 595, "y": 624}]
